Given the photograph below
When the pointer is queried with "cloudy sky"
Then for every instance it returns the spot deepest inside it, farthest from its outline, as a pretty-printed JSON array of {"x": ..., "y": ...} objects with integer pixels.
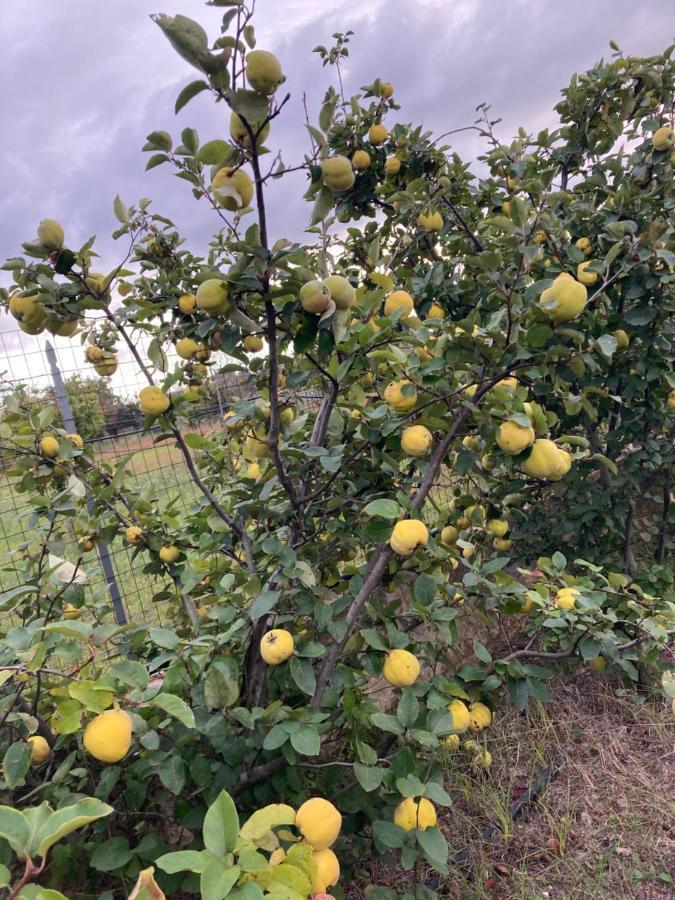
[{"x": 83, "y": 81}]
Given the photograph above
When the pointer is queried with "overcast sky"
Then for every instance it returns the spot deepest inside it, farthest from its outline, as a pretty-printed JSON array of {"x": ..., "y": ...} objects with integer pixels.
[{"x": 83, "y": 81}]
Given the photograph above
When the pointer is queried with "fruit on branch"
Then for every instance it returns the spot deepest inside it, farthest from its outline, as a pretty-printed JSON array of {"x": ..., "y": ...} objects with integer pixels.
[
  {"x": 263, "y": 71},
  {"x": 342, "y": 292},
  {"x": 40, "y": 751},
  {"x": 252, "y": 343},
  {"x": 360, "y": 160},
  {"x": 61, "y": 327},
  {"x": 256, "y": 446},
  {"x": 71, "y": 612},
  {"x": 432, "y": 221},
  {"x": 397, "y": 399},
  {"x": 497, "y": 527},
  {"x": 213, "y": 296},
  {"x": 97, "y": 282},
  {"x": 108, "y": 736},
  {"x": 566, "y": 598},
  {"x": 327, "y": 870},
  {"x": 584, "y": 244},
  {"x": 377, "y": 134},
  {"x": 276, "y": 646},
  {"x": 49, "y": 446},
  {"x": 319, "y": 822},
  {"x": 513, "y": 438},
  {"x": 152, "y": 401},
  {"x": 187, "y": 303},
  {"x": 315, "y": 297},
  {"x": 186, "y": 348},
  {"x": 106, "y": 366},
  {"x": 401, "y": 668},
  {"x": 233, "y": 190},
  {"x": 449, "y": 535},
  {"x": 622, "y": 339},
  {"x": 169, "y": 554},
  {"x": 663, "y": 139},
  {"x": 598, "y": 664},
  {"x": 565, "y": 299},
  {"x": 399, "y": 300},
  {"x": 479, "y": 716},
  {"x": 435, "y": 312},
  {"x": 502, "y": 544},
  {"x": 547, "y": 460},
  {"x": 29, "y": 313},
  {"x": 286, "y": 415},
  {"x": 584, "y": 276},
  {"x": 386, "y": 89},
  {"x": 50, "y": 234},
  {"x": 411, "y": 814},
  {"x": 239, "y": 131},
  {"x": 392, "y": 165},
  {"x": 407, "y": 536},
  {"x": 338, "y": 174},
  {"x": 133, "y": 534},
  {"x": 416, "y": 440}
]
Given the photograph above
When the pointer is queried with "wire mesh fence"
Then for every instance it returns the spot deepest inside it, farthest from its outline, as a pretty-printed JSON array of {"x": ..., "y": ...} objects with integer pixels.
[{"x": 53, "y": 372}]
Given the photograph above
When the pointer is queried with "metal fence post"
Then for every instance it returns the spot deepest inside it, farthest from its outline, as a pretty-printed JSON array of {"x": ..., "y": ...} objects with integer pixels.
[{"x": 69, "y": 425}]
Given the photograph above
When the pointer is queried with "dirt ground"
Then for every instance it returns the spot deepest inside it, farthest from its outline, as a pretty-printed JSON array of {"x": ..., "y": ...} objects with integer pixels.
[{"x": 604, "y": 827}]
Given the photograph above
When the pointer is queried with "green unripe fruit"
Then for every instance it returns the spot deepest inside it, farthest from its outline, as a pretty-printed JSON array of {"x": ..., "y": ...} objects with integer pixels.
[
  {"x": 50, "y": 234},
  {"x": 263, "y": 71}
]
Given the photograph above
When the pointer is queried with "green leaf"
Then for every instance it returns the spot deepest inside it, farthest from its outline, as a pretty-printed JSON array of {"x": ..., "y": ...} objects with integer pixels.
[
  {"x": 16, "y": 763},
  {"x": 607, "y": 345},
  {"x": 369, "y": 777},
  {"x": 668, "y": 684},
  {"x": 175, "y": 707},
  {"x": 186, "y": 36},
  {"x": 609, "y": 464},
  {"x": 259, "y": 825},
  {"x": 408, "y": 708},
  {"x": 217, "y": 879},
  {"x": 120, "y": 210},
  {"x": 482, "y": 652},
  {"x": 387, "y": 509},
  {"x": 559, "y": 560},
  {"x": 435, "y": 792},
  {"x": 435, "y": 847},
  {"x": 389, "y": 834},
  {"x": 189, "y": 92},
  {"x": 221, "y": 825},
  {"x": 425, "y": 589},
  {"x": 164, "y": 638},
  {"x": 35, "y": 892},
  {"x": 182, "y": 861},
  {"x": 172, "y": 774},
  {"x": 249, "y": 105},
  {"x": 322, "y": 205},
  {"x": 302, "y": 672},
  {"x": 68, "y": 819},
  {"x": 156, "y": 160},
  {"x": 214, "y": 153},
  {"x": 385, "y": 722},
  {"x": 307, "y": 741},
  {"x": 111, "y": 854},
  {"x": 5, "y": 876},
  {"x": 14, "y": 829},
  {"x": 221, "y": 687},
  {"x": 130, "y": 672}
]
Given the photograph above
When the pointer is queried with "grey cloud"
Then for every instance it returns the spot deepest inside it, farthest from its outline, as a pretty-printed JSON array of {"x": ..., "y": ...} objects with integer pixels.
[{"x": 83, "y": 82}]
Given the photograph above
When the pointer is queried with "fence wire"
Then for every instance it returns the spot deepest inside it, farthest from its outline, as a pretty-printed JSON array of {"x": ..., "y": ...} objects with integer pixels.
[{"x": 106, "y": 414}]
